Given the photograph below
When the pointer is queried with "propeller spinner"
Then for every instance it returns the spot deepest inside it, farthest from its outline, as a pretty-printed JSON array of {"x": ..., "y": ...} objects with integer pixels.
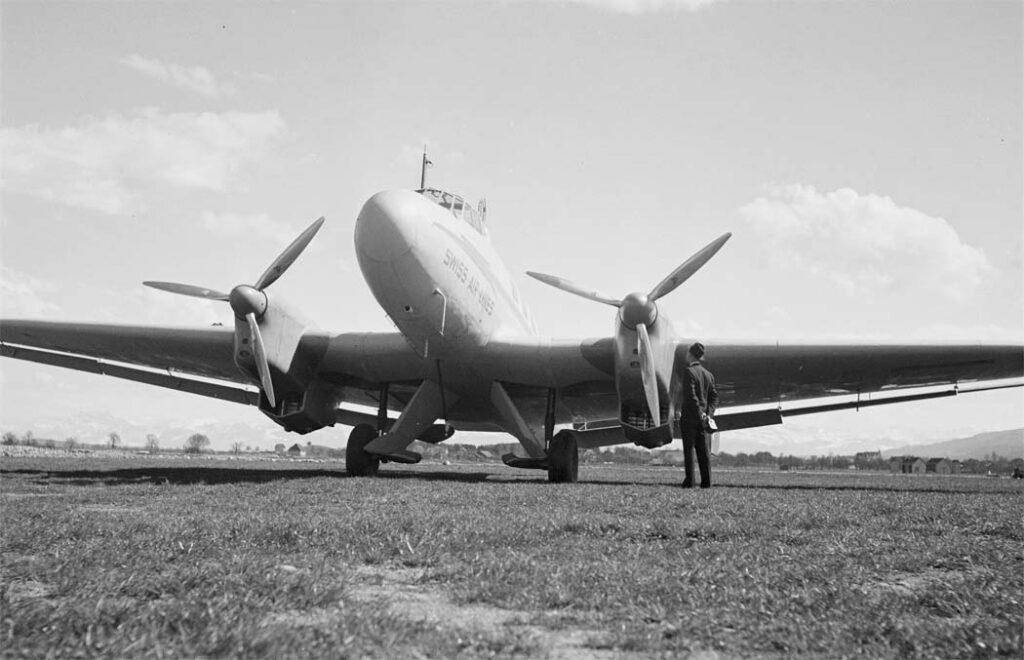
[
  {"x": 250, "y": 302},
  {"x": 639, "y": 312}
]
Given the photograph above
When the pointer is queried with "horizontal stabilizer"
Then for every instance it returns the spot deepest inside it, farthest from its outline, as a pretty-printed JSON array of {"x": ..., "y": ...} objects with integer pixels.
[{"x": 525, "y": 462}]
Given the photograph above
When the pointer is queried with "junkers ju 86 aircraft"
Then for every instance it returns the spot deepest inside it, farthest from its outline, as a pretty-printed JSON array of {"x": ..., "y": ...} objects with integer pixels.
[{"x": 467, "y": 355}]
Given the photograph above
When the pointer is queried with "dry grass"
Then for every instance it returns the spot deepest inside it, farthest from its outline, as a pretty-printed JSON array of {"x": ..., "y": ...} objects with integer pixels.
[{"x": 215, "y": 558}]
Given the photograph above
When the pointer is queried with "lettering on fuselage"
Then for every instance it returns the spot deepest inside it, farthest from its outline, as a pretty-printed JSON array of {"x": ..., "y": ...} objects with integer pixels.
[{"x": 460, "y": 269}]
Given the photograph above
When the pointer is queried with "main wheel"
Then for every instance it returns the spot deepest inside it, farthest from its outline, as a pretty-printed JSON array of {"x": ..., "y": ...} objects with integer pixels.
[
  {"x": 563, "y": 459},
  {"x": 358, "y": 463}
]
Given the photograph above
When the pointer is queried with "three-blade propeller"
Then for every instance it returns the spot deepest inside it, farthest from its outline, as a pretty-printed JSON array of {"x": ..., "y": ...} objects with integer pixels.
[
  {"x": 638, "y": 311},
  {"x": 250, "y": 302}
]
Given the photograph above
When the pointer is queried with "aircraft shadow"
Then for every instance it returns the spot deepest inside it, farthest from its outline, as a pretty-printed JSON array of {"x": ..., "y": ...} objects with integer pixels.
[
  {"x": 218, "y": 475},
  {"x": 213, "y": 475}
]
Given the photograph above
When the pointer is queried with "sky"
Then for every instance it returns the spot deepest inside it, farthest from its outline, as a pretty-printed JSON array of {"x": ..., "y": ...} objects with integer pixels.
[{"x": 867, "y": 157}]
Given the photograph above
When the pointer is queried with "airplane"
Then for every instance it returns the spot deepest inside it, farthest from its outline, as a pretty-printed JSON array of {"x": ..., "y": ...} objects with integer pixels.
[{"x": 468, "y": 357}]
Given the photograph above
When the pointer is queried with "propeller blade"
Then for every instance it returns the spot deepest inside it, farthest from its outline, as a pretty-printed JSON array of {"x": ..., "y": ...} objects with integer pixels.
[
  {"x": 689, "y": 267},
  {"x": 188, "y": 290},
  {"x": 566, "y": 285},
  {"x": 261, "y": 358},
  {"x": 648, "y": 372},
  {"x": 288, "y": 257}
]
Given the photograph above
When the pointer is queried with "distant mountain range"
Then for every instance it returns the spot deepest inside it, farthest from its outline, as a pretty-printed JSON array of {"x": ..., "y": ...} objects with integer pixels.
[{"x": 1009, "y": 444}]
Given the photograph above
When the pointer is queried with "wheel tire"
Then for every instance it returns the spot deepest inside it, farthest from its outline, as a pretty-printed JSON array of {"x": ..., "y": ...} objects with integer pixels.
[
  {"x": 357, "y": 462},
  {"x": 563, "y": 459}
]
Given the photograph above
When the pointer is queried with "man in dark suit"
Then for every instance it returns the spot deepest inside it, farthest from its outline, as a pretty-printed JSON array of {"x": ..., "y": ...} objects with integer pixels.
[{"x": 699, "y": 401}]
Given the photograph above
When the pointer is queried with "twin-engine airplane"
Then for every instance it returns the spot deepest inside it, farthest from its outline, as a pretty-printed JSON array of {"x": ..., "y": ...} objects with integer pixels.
[{"x": 468, "y": 357}]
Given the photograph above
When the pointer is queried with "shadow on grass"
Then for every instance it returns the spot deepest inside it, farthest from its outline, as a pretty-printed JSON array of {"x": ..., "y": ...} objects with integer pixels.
[
  {"x": 214, "y": 475},
  {"x": 183, "y": 475}
]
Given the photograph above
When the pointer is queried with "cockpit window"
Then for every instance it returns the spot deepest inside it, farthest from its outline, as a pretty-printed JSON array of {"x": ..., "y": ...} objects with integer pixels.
[{"x": 458, "y": 207}]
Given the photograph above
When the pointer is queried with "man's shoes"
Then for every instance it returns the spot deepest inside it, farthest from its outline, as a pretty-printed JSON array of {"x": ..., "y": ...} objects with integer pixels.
[
  {"x": 703, "y": 485},
  {"x": 687, "y": 483}
]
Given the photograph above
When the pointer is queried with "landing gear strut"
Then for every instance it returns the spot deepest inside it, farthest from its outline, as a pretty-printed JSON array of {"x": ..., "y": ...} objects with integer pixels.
[
  {"x": 563, "y": 458},
  {"x": 358, "y": 463}
]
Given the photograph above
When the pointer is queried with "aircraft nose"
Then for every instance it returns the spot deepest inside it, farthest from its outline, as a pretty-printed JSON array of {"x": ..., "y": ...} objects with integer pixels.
[{"x": 387, "y": 225}]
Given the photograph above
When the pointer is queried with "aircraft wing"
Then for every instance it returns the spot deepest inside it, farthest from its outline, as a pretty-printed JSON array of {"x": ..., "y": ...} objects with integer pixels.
[
  {"x": 772, "y": 376},
  {"x": 844, "y": 376},
  {"x": 749, "y": 374},
  {"x": 760, "y": 383},
  {"x": 761, "y": 374},
  {"x": 197, "y": 360},
  {"x": 200, "y": 361}
]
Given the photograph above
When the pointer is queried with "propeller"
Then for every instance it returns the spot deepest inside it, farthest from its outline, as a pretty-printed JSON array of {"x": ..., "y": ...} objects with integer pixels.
[
  {"x": 647, "y": 372},
  {"x": 639, "y": 311},
  {"x": 250, "y": 302}
]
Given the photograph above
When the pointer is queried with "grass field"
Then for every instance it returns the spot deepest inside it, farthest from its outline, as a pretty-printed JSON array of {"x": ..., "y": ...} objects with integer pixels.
[{"x": 164, "y": 558}]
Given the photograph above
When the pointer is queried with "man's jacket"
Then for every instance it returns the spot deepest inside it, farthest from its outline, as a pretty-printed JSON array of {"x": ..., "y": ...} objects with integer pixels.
[{"x": 699, "y": 394}]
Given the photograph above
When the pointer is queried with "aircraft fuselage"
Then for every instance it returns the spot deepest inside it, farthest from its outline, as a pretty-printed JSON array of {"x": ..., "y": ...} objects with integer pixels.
[
  {"x": 427, "y": 258},
  {"x": 429, "y": 263}
]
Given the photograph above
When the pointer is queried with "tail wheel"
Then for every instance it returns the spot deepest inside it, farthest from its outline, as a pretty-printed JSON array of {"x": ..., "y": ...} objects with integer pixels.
[
  {"x": 358, "y": 463},
  {"x": 563, "y": 459}
]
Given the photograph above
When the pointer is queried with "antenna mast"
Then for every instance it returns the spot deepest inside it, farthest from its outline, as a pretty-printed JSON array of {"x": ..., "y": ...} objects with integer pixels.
[{"x": 423, "y": 169}]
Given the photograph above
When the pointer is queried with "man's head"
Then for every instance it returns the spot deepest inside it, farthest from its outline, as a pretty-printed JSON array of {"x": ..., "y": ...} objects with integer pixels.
[{"x": 696, "y": 351}]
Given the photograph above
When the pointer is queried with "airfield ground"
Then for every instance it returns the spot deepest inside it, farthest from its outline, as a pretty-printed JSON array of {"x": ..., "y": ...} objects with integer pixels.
[{"x": 154, "y": 557}]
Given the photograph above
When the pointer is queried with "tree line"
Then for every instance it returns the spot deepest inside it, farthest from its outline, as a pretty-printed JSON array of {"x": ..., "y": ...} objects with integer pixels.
[{"x": 196, "y": 443}]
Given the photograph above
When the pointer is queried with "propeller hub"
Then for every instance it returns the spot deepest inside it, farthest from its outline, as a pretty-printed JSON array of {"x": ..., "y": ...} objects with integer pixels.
[
  {"x": 245, "y": 299},
  {"x": 638, "y": 308}
]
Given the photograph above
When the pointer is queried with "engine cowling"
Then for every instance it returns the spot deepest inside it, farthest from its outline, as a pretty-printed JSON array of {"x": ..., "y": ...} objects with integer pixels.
[
  {"x": 638, "y": 424},
  {"x": 303, "y": 403}
]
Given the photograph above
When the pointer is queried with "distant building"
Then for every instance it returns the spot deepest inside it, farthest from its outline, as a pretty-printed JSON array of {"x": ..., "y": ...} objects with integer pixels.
[
  {"x": 939, "y": 466},
  {"x": 296, "y": 451},
  {"x": 279, "y": 448},
  {"x": 907, "y": 465},
  {"x": 867, "y": 460}
]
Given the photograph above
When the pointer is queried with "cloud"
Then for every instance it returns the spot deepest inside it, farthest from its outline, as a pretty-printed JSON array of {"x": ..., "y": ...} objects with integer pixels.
[
  {"x": 162, "y": 308},
  {"x": 979, "y": 332},
  {"x": 637, "y": 7},
  {"x": 22, "y": 295},
  {"x": 235, "y": 225},
  {"x": 195, "y": 79},
  {"x": 864, "y": 244},
  {"x": 109, "y": 164},
  {"x": 411, "y": 156}
]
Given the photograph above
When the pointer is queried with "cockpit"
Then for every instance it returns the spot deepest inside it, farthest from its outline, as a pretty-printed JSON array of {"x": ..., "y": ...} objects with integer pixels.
[{"x": 475, "y": 218}]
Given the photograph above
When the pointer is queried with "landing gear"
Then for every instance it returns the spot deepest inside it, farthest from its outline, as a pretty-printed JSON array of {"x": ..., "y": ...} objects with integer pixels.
[
  {"x": 563, "y": 458},
  {"x": 358, "y": 463}
]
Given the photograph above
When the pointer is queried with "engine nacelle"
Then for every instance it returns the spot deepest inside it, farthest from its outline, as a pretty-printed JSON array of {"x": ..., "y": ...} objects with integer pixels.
[
  {"x": 303, "y": 411},
  {"x": 637, "y": 423},
  {"x": 293, "y": 353}
]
